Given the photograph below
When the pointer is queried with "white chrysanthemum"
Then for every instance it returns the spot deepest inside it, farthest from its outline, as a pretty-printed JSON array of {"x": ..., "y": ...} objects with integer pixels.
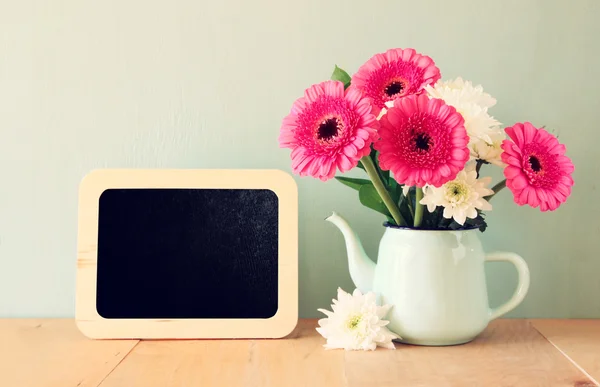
[
  {"x": 489, "y": 151},
  {"x": 460, "y": 91},
  {"x": 356, "y": 323},
  {"x": 460, "y": 197},
  {"x": 472, "y": 103}
]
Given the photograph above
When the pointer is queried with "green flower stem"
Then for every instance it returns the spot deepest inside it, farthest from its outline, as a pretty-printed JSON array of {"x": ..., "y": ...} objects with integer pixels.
[
  {"x": 497, "y": 188},
  {"x": 478, "y": 166},
  {"x": 410, "y": 206},
  {"x": 420, "y": 207},
  {"x": 383, "y": 193},
  {"x": 386, "y": 183}
]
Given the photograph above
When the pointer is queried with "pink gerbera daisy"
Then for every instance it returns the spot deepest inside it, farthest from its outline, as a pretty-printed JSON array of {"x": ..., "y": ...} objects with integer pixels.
[
  {"x": 395, "y": 73},
  {"x": 423, "y": 141},
  {"x": 328, "y": 128},
  {"x": 538, "y": 172}
]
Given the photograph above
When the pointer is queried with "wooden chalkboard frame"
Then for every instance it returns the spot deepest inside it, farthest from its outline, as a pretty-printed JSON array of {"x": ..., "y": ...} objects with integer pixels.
[{"x": 95, "y": 183}]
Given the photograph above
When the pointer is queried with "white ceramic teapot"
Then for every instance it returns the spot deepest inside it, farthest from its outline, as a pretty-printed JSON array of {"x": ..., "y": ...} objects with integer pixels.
[{"x": 435, "y": 281}]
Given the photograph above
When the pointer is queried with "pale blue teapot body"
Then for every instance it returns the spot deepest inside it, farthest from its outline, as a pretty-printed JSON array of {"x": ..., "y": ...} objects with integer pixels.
[{"x": 434, "y": 280}]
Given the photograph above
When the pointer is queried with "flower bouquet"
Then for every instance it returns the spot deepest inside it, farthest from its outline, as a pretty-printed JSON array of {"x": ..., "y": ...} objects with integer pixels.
[{"x": 422, "y": 143}]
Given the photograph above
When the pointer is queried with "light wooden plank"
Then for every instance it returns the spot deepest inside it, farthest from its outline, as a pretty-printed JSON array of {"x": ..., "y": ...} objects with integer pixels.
[
  {"x": 53, "y": 353},
  {"x": 508, "y": 353},
  {"x": 297, "y": 360},
  {"x": 577, "y": 339}
]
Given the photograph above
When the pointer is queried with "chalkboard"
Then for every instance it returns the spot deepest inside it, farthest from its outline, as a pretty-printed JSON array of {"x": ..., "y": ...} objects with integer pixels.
[{"x": 187, "y": 253}]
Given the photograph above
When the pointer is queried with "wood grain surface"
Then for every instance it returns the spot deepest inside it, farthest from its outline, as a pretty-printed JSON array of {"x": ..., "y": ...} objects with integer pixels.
[
  {"x": 508, "y": 353},
  {"x": 53, "y": 353},
  {"x": 297, "y": 360},
  {"x": 579, "y": 340}
]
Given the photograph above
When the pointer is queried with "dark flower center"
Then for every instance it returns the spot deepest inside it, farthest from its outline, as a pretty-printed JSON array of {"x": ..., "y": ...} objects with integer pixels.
[
  {"x": 542, "y": 168},
  {"x": 394, "y": 88},
  {"x": 328, "y": 129},
  {"x": 422, "y": 142},
  {"x": 534, "y": 162}
]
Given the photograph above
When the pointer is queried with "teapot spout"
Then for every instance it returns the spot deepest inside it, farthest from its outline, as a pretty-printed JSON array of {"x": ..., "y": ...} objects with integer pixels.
[{"x": 362, "y": 268}]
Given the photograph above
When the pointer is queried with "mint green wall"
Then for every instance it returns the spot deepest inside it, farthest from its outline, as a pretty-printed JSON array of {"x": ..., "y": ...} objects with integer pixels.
[{"x": 205, "y": 84}]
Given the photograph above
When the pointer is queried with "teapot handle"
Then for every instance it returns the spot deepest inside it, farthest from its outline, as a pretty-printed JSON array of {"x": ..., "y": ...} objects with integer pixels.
[{"x": 522, "y": 286}]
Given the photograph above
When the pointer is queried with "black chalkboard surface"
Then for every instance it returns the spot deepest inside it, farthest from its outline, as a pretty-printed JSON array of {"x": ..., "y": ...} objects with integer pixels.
[{"x": 187, "y": 253}]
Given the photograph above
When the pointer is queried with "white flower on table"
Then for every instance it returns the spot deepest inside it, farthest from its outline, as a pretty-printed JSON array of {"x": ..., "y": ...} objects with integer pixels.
[{"x": 356, "y": 323}]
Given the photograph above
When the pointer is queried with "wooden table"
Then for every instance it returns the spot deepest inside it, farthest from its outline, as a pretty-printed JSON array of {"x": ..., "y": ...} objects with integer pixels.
[{"x": 52, "y": 352}]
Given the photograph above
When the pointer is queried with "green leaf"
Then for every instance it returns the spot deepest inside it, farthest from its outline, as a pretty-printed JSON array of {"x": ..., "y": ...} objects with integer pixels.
[
  {"x": 360, "y": 165},
  {"x": 450, "y": 224},
  {"x": 342, "y": 76},
  {"x": 454, "y": 226},
  {"x": 444, "y": 222},
  {"x": 478, "y": 222},
  {"x": 385, "y": 175},
  {"x": 395, "y": 190},
  {"x": 403, "y": 206},
  {"x": 368, "y": 196},
  {"x": 352, "y": 182}
]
